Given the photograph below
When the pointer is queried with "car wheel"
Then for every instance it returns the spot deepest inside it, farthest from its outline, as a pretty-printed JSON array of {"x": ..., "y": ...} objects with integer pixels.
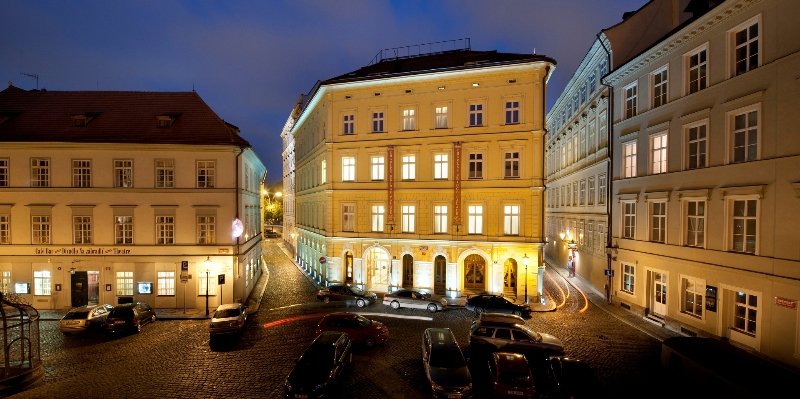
[
  {"x": 360, "y": 303},
  {"x": 138, "y": 326},
  {"x": 369, "y": 342},
  {"x": 432, "y": 307},
  {"x": 327, "y": 299},
  {"x": 153, "y": 318},
  {"x": 518, "y": 313},
  {"x": 395, "y": 305}
]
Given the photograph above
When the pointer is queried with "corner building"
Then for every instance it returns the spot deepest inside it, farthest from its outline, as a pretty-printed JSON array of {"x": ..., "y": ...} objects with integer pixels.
[{"x": 425, "y": 171}]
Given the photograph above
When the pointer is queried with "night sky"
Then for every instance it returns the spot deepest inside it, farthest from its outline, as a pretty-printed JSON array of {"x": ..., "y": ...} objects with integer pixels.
[{"x": 250, "y": 60}]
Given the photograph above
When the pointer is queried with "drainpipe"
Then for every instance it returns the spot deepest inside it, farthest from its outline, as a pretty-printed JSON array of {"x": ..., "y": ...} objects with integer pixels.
[
  {"x": 542, "y": 243},
  {"x": 610, "y": 150}
]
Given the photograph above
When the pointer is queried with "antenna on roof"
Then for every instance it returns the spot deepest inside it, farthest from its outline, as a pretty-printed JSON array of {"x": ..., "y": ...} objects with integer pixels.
[{"x": 33, "y": 75}]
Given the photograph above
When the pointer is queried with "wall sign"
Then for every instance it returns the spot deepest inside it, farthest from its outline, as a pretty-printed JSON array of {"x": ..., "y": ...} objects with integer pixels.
[{"x": 786, "y": 302}]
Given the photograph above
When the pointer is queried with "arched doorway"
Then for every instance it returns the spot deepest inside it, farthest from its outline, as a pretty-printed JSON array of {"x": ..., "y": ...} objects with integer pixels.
[
  {"x": 510, "y": 277},
  {"x": 377, "y": 263},
  {"x": 408, "y": 271},
  {"x": 440, "y": 275},
  {"x": 348, "y": 267},
  {"x": 474, "y": 273}
]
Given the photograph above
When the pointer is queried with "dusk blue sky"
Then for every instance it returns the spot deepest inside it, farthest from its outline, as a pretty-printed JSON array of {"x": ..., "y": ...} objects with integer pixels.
[{"x": 250, "y": 60}]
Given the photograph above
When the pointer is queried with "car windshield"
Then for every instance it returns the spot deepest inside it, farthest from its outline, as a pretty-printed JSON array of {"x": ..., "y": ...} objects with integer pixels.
[
  {"x": 356, "y": 290},
  {"x": 447, "y": 357},
  {"x": 225, "y": 313},
  {"x": 363, "y": 321},
  {"x": 75, "y": 315}
]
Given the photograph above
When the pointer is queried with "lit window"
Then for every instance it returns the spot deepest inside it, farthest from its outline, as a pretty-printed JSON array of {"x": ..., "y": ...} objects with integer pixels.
[
  {"x": 629, "y": 159},
  {"x": 40, "y": 229},
  {"x": 658, "y": 145},
  {"x": 348, "y": 169},
  {"x": 82, "y": 229},
  {"x": 323, "y": 171},
  {"x": 695, "y": 223},
  {"x": 165, "y": 173},
  {"x": 475, "y": 219},
  {"x": 123, "y": 229},
  {"x": 408, "y": 218},
  {"x": 166, "y": 283},
  {"x": 123, "y": 173},
  {"x": 377, "y": 218},
  {"x": 348, "y": 217},
  {"x": 41, "y": 282},
  {"x": 206, "y": 174},
  {"x": 40, "y": 172},
  {"x": 628, "y": 278},
  {"x": 409, "y": 119},
  {"x": 440, "y": 219},
  {"x": 409, "y": 167},
  {"x": 125, "y": 283},
  {"x": 207, "y": 282},
  {"x": 440, "y": 169},
  {"x": 441, "y": 117},
  {"x": 81, "y": 173},
  {"x": 511, "y": 220},
  {"x": 378, "y": 167}
]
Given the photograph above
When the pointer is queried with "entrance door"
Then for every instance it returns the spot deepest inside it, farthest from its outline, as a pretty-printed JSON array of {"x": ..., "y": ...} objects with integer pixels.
[
  {"x": 510, "y": 276},
  {"x": 79, "y": 286},
  {"x": 474, "y": 273},
  {"x": 659, "y": 294},
  {"x": 378, "y": 264},
  {"x": 348, "y": 268},
  {"x": 440, "y": 275},
  {"x": 408, "y": 271}
]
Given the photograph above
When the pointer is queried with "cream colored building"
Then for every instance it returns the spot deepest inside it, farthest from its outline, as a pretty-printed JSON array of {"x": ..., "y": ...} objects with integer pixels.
[
  {"x": 425, "y": 171},
  {"x": 107, "y": 197},
  {"x": 706, "y": 177}
]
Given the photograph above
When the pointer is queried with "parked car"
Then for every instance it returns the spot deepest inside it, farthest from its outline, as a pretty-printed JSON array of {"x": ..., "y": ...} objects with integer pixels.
[
  {"x": 496, "y": 304},
  {"x": 129, "y": 317},
  {"x": 404, "y": 298},
  {"x": 228, "y": 319},
  {"x": 360, "y": 329},
  {"x": 349, "y": 294},
  {"x": 84, "y": 318},
  {"x": 319, "y": 370},
  {"x": 567, "y": 378},
  {"x": 445, "y": 365},
  {"x": 511, "y": 376},
  {"x": 493, "y": 333}
]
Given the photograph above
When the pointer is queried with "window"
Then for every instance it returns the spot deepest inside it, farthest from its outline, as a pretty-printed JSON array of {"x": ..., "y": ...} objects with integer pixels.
[
  {"x": 206, "y": 282},
  {"x": 165, "y": 173},
  {"x": 745, "y": 225},
  {"x": 348, "y": 217},
  {"x": 409, "y": 166},
  {"x": 591, "y": 140},
  {"x": 206, "y": 226},
  {"x": 583, "y": 93},
  {"x": 628, "y": 278},
  {"x": 475, "y": 219},
  {"x": 658, "y": 155},
  {"x": 377, "y": 167},
  {"x": 697, "y": 146},
  {"x": 692, "y": 291},
  {"x": 745, "y": 313},
  {"x": 206, "y": 174},
  {"x": 5, "y": 281},
  {"x": 629, "y": 159},
  {"x": 744, "y": 134},
  {"x": 409, "y": 119},
  {"x": 165, "y": 230},
  {"x": 695, "y": 223},
  {"x": 123, "y": 229},
  {"x": 40, "y": 229},
  {"x": 82, "y": 229},
  {"x": 582, "y": 194},
  {"x": 125, "y": 283},
  {"x": 697, "y": 63},
  {"x": 659, "y": 80},
  {"x": 349, "y": 124},
  {"x": 40, "y": 172},
  {"x": 511, "y": 165},
  {"x": 592, "y": 83},
  {"x": 377, "y": 217},
  {"x": 746, "y": 54},
  {"x": 377, "y": 122},
  {"x": 123, "y": 173},
  {"x": 166, "y": 283},
  {"x": 81, "y": 173},
  {"x": 5, "y": 229},
  {"x": 574, "y": 193},
  {"x": 348, "y": 169},
  {"x": 476, "y": 166},
  {"x": 4, "y": 172},
  {"x": 658, "y": 221},
  {"x": 408, "y": 212},
  {"x": 511, "y": 220},
  {"x": 601, "y": 189},
  {"x": 323, "y": 171},
  {"x": 476, "y": 114},
  {"x": 41, "y": 282},
  {"x": 440, "y": 168},
  {"x": 441, "y": 117},
  {"x": 629, "y": 220},
  {"x": 440, "y": 218},
  {"x": 629, "y": 100},
  {"x": 512, "y": 112},
  {"x": 590, "y": 197}
]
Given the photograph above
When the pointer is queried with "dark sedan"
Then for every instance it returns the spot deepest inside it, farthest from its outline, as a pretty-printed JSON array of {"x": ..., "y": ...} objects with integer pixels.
[
  {"x": 318, "y": 371},
  {"x": 343, "y": 292},
  {"x": 360, "y": 329},
  {"x": 129, "y": 317},
  {"x": 496, "y": 304}
]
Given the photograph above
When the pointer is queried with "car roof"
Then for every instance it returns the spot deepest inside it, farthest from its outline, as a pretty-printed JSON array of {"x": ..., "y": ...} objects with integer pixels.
[
  {"x": 328, "y": 338},
  {"x": 500, "y": 318},
  {"x": 340, "y": 315},
  {"x": 509, "y": 359},
  {"x": 87, "y": 307},
  {"x": 441, "y": 336},
  {"x": 229, "y": 306}
]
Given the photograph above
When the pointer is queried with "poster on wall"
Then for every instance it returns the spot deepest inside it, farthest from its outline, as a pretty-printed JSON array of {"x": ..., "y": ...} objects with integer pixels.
[{"x": 711, "y": 298}]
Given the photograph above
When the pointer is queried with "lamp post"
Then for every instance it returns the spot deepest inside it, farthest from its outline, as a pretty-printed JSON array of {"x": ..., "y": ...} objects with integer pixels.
[
  {"x": 207, "y": 264},
  {"x": 525, "y": 262}
]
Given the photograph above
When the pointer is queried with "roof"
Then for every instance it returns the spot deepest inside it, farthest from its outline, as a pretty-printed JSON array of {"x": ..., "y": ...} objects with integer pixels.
[{"x": 112, "y": 117}]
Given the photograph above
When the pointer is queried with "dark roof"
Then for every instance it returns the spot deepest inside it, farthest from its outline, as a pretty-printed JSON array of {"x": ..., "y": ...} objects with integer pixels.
[{"x": 113, "y": 117}]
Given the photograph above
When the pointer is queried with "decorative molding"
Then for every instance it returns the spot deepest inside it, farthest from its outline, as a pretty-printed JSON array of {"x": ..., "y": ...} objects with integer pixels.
[
  {"x": 656, "y": 195},
  {"x": 694, "y": 194},
  {"x": 746, "y": 98},
  {"x": 628, "y": 197},
  {"x": 696, "y": 115},
  {"x": 743, "y": 191},
  {"x": 658, "y": 127}
]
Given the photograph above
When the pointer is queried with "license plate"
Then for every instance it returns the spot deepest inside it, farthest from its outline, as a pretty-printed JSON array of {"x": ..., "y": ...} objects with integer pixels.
[
  {"x": 454, "y": 396},
  {"x": 515, "y": 393},
  {"x": 300, "y": 396}
]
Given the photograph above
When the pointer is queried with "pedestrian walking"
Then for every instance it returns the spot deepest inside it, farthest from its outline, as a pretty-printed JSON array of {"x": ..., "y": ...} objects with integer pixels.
[{"x": 571, "y": 266}]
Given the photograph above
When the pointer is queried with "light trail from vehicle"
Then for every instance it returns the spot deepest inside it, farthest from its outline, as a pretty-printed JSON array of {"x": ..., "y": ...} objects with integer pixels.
[
  {"x": 396, "y": 316},
  {"x": 291, "y": 319}
]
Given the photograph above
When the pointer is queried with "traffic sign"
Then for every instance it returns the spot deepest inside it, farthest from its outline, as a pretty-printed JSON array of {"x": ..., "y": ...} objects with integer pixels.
[{"x": 322, "y": 260}]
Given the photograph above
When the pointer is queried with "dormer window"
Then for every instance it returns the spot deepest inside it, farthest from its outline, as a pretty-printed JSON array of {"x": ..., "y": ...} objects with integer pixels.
[
  {"x": 82, "y": 120},
  {"x": 166, "y": 120}
]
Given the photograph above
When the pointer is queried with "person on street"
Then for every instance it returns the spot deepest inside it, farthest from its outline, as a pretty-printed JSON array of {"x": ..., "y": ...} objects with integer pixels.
[{"x": 571, "y": 267}]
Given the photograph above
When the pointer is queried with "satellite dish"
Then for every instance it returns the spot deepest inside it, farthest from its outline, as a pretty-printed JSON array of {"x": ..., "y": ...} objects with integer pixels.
[{"x": 237, "y": 228}]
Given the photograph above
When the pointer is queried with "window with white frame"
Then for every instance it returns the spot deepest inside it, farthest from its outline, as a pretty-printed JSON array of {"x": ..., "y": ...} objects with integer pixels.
[
  {"x": 629, "y": 159},
  {"x": 476, "y": 114},
  {"x": 378, "y": 212},
  {"x": 746, "y": 49},
  {"x": 692, "y": 293},
  {"x": 744, "y": 225},
  {"x": 5, "y": 281},
  {"x": 348, "y": 169},
  {"x": 629, "y": 219},
  {"x": 440, "y": 218},
  {"x": 165, "y": 173},
  {"x": 165, "y": 283},
  {"x": 348, "y": 124},
  {"x": 696, "y": 223},
  {"x": 125, "y": 283},
  {"x": 475, "y": 219},
  {"x": 697, "y": 66},
  {"x": 658, "y": 221},
  {"x": 601, "y": 189},
  {"x": 40, "y": 229},
  {"x": 628, "y": 278},
  {"x": 81, "y": 173},
  {"x": 592, "y": 83},
  {"x": 323, "y": 171},
  {"x": 377, "y": 121},
  {"x": 409, "y": 218},
  {"x": 592, "y": 191},
  {"x": 206, "y": 229},
  {"x": 4, "y": 172},
  {"x": 440, "y": 167},
  {"x": 123, "y": 229},
  {"x": 409, "y": 166},
  {"x": 40, "y": 172},
  {"x": 165, "y": 230},
  {"x": 207, "y": 282},
  {"x": 575, "y": 193},
  {"x": 123, "y": 173},
  {"x": 629, "y": 95},
  {"x": 511, "y": 165},
  {"x": 5, "y": 229},
  {"x": 745, "y": 314},
  {"x": 41, "y": 282},
  {"x": 582, "y": 193},
  {"x": 348, "y": 217},
  {"x": 441, "y": 117},
  {"x": 696, "y": 146},
  {"x": 378, "y": 164},
  {"x": 511, "y": 220},
  {"x": 581, "y": 151},
  {"x": 512, "y": 112},
  {"x": 409, "y": 119},
  {"x": 206, "y": 174},
  {"x": 476, "y": 166},
  {"x": 659, "y": 82},
  {"x": 81, "y": 229},
  {"x": 744, "y": 130},
  {"x": 658, "y": 153}
]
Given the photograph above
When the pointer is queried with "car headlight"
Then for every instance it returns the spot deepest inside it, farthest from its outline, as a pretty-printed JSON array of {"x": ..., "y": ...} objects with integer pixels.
[{"x": 319, "y": 387}]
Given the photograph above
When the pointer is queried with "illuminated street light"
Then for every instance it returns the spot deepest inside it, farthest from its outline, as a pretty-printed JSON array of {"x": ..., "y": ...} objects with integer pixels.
[{"x": 208, "y": 264}]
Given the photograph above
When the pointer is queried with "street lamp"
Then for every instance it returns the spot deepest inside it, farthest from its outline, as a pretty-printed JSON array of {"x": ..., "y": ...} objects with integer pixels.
[
  {"x": 207, "y": 263},
  {"x": 525, "y": 262}
]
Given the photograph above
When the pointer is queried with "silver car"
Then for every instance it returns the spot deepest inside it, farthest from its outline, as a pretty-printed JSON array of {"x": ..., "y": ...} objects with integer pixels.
[
  {"x": 229, "y": 318},
  {"x": 404, "y": 298},
  {"x": 83, "y": 318}
]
